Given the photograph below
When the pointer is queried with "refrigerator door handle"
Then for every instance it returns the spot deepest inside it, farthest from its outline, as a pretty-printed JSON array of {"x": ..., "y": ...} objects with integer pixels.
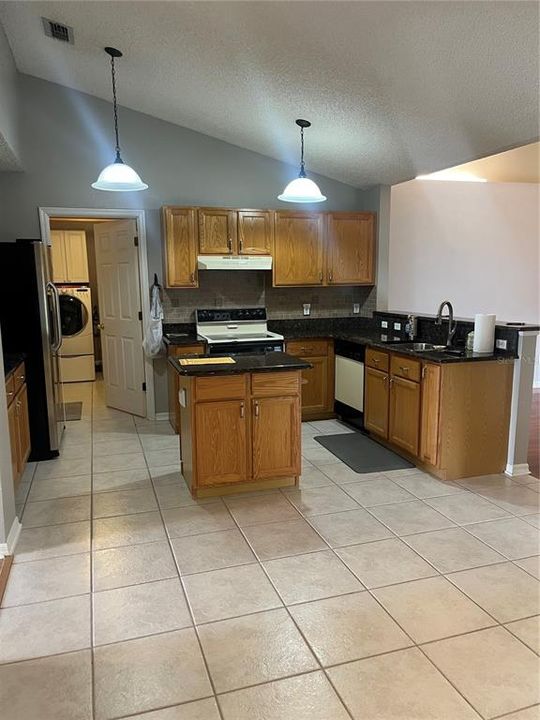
[{"x": 53, "y": 293}]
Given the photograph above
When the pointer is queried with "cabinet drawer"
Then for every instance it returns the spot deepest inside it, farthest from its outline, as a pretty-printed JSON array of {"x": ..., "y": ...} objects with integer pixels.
[
  {"x": 179, "y": 350},
  {"x": 220, "y": 387},
  {"x": 307, "y": 348},
  {"x": 377, "y": 359},
  {"x": 19, "y": 377},
  {"x": 405, "y": 367},
  {"x": 275, "y": 383},
  {"x": 10, "y": 389}
]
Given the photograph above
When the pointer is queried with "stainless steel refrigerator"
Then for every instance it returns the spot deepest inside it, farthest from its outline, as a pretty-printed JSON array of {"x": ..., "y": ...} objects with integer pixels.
[{"x": 30, "y": 322}]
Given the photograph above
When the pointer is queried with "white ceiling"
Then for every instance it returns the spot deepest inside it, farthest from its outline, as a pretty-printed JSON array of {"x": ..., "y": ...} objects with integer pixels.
[{"x": 393, "y": 89}]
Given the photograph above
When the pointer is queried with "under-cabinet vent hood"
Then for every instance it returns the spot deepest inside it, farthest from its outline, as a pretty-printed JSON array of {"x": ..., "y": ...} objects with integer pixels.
[{"x": 234, "y": 262}]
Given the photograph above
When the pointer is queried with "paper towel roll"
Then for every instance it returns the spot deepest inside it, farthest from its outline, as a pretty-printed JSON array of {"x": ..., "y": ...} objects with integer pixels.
[{"x": 484, "y": 333}]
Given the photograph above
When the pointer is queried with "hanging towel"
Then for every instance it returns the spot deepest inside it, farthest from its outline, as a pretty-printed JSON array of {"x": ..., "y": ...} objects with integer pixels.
[{"x": 153, "y": 333}]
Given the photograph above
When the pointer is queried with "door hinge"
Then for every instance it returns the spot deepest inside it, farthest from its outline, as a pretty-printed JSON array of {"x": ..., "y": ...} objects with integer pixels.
[
  {"x": 140, "y": 314},
  {"x": 136, "y": 241},
  {"x": 144, "y": 387}
]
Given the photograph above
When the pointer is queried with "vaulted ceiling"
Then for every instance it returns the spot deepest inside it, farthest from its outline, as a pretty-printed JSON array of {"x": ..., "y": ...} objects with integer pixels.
[{"x": 393, "y": 89}]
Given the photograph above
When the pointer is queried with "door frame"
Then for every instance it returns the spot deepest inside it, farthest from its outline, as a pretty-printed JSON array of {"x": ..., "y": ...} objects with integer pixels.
[{"x": 45, "y": 215}]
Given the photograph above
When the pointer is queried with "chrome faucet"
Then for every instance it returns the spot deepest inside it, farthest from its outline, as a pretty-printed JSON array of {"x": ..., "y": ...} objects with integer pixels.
[{"x": 452, "y": 326}]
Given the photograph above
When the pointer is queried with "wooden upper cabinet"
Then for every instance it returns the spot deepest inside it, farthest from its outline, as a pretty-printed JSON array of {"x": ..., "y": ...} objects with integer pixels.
[
  {"x": 298, "y": 248},
  {"x": 180, "y": 229},
  {"x": 217, "y": 231},
  {"x": 350, "y": 247},
  {"x": 255, "y": 232}
]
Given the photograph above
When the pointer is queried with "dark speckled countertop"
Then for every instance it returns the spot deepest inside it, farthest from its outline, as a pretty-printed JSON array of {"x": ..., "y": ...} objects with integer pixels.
[{"x": 262, "y": 362}]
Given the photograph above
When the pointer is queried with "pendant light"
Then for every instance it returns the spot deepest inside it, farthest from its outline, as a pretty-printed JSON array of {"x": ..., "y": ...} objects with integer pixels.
[
  {"x": 302, "y": 189},
  {"x": 117, "y": 177}
]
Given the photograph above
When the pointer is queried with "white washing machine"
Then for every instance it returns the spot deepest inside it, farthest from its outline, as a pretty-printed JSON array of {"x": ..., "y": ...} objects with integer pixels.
[{"x": 77, "y": 349}]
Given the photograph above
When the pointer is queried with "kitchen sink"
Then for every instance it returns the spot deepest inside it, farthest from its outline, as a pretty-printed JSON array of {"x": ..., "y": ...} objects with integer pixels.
[{"x": 420, "y": 346}]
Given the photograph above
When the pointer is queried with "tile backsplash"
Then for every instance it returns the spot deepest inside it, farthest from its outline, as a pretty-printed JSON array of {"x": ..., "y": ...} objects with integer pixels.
[{"x": 252, "y": 288}]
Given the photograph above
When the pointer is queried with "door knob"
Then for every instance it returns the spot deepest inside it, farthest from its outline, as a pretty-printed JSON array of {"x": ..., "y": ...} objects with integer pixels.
[{"x": 101, "y": 326}]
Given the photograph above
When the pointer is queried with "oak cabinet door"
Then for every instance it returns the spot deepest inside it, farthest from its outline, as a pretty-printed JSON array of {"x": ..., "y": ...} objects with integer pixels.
[
  {"x": 429, "y": 423},
  {"x": 221, "y": 442},
  {"x": 298, "y": 248},
  {"x": 217, "y": 231},
  {"x": 350, "y": 247},
  {"x": 404, "y": 414},
  {"x": 376, "y": 402},
  {"x": 58, "y": 257},
  {"x": 23, "y": 424},
  {"x": 180, "y": 229},
  {"x": 13, "y": 423},
  {"x": 315, "y": 386},
  {"x": 76, "y": 256},
  {"x": 255, "y": 230},
  {"x": 276, "y": 437}
]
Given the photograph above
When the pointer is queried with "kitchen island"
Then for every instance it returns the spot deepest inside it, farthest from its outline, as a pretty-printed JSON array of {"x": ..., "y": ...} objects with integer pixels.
[{"x": 239, "y": 421}]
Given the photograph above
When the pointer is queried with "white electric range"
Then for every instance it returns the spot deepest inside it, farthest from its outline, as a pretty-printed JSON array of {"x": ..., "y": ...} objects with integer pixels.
[{"x": 238, "y": 330}]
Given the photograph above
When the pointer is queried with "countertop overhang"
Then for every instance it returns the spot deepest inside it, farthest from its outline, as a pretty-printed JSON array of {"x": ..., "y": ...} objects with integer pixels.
[{"x": 261, "y": 362}]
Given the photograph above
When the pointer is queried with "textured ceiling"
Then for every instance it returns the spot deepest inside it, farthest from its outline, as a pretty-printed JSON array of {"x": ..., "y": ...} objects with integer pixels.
[{"x": 393, "y": 89}]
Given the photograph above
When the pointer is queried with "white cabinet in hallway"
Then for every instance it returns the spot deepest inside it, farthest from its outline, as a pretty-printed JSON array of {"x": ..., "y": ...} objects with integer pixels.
[{"x": 69, "y": 256}]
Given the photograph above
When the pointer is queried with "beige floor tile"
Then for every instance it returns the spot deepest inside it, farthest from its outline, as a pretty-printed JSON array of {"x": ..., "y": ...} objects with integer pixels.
[
  {"x": 465, "y": 507},
  {"x": 454, "y": 549},
  {"x": 401, "y": 686},
  {"x": 431, "y": 609},
  {"x": 46, "y": 628},
  {"x": 306, "y": 697},
  {"x": 196, "y": 710},
  {"x": 377, "y": 492},
  {"x": 60, "y": 468},
  {"x": 176, "y": 494},
  {"x": 121, "y": 480},
  {"x": 155, "y": 442},
  {"x": 533, "y": 520},
  {"x": 180, "y": 522},
  {"x": 147, "y": 609},
  {"x": 166, "y": 475},
  {"x": 32, "y": 582},
  {"x": 311, "y": 577},
  {"x": 348, "y": 627},
  {"x": 230, "y": 592},
  {"x": 60, "y": 488},
  {"x": 321, "y": 500},
  {"x": 124, "y": 502},
  {"x": 254, "y": 649},
  {"x": 274, "y": 540},
  {"x": 504, "y": 591},
  {"x": 319, "y": 456},
  {"x": 411, "y": 517},
  {"x": 385, "y": 562},
  {"x": 531, "y": 565},
  {"x": 162, "y": 458},
  {"x": 342, "y": 474},
  {"x": 261, "y": 509},
  {"x": 117, "y": 447},
  {"x": 56, "y": 512},
  {"x": 109, "y": 463},
  {"x": 513, "y": 537},
  {"x": 50, "y": 688},
  {"x": 518, "y": 499},
  {"x": 531, "y": 713},
  {"x": 200, "y": 553},
  {"x": 118, "y": 567},
  {"x": 149, "y": 673},
  {"x": 423, "y": 485},
  {"x": 492, "y": 669},
  {"x": 53, "y": 541},
  {"x": 312, "y": 478},
  {"x": 80, "y": 449},
  {"x": 154, "y": 427},
  {"x": 128, "y": 530},
  {"x": 349, "y": 527},
  {"x": 484, "y": 482},
  {"x": 527, "y": 630},
  {"x": 330, "y": 427}
]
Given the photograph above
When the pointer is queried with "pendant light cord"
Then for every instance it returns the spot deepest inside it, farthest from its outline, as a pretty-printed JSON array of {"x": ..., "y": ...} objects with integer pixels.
[
  {"x": 113, "y": 75},
  {"x": 302, "y": 167}
]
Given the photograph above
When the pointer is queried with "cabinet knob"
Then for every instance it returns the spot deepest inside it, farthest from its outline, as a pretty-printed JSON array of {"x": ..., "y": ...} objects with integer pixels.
[
  {"x": 192, "y": 278},
  {"x": 404, "y": 369},
  {"x": 242, "y": 410},
  {"x": 320, "y": 277},
  {"x": 229, "y": 244},
  {"x": 241, "y": 244},
  {"x": 330, "y": 276},
  {"x": 256, "y": 408},
  {"x": 22, "y": 378}
]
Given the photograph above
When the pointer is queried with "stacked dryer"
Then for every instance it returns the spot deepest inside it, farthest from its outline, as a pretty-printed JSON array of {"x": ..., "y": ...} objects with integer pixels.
[{"x": 77, "y": 349}]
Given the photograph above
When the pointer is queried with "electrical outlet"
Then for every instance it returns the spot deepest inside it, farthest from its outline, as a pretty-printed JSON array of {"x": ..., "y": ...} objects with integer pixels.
[
  {"x": 384, "y": 338},
  {"x": 396, "y": 338},
  {"x": 307, "y": 308},
  {"x": 397, "y": 326},
  {"x": 500, "y": 344},
  {"x": 356, "y": 308},
  {"x": 384, "y": 323}
]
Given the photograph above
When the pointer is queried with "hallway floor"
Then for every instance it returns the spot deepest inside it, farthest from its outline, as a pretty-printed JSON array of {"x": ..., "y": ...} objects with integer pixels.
[{"x": 373, "y": 597}]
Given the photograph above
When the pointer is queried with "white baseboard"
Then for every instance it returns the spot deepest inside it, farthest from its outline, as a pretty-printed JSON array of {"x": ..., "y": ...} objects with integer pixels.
[
  {"x": 162, "y": 416},
  {"x": 517, "y": 470},
  {"x": 8, "y": 547}
]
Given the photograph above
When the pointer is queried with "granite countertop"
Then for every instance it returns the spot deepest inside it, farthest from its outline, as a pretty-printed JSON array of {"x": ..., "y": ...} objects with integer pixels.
[
  {"x": 441, "y": 356},
  {"x": 262, "y": 362},
  {"x": 11, "y": 361}
]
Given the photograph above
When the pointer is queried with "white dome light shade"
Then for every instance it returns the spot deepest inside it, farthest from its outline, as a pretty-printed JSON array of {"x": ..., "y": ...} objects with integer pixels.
[
  {"x": 119, "y": 177},
  {"x": 302, "y": 190}
]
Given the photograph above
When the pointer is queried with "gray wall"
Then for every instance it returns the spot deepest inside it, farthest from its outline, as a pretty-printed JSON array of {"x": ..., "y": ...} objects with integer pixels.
[
  {"x": 9, "y": 134},
  {"x": 66, "y": 139}
]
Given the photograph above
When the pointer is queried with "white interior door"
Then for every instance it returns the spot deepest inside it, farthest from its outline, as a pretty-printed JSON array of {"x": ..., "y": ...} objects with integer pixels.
[{"x": 119, "y": 305}]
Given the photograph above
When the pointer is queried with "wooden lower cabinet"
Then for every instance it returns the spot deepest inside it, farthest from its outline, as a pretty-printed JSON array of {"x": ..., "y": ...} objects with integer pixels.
[
  {"x": 18, "y": 421},
  {"x": 172, "y": 380},
  {"x": 404, "y": 414},
  {"x": 276, "y": 440},
  {"x": 429, "y": 416},
  {"x": 221, "y": 442},
  {"x": 318, "y": 380},
  {"x": 376, "y": 402}
]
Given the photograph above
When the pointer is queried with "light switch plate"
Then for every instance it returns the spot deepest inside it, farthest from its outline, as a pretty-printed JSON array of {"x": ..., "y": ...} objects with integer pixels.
[
  {"x": 307, "y": 308},
  {"x": 501, "y": 344},
  {"x": 356, "y": 308},
  {"x": 384, "y": 323},
  {"x": 397, "y": 326}
]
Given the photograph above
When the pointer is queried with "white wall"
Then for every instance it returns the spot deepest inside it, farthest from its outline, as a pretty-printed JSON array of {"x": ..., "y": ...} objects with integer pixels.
[
  {"x": 9, "y": 134},
  {"x": 476, "y": 244}
]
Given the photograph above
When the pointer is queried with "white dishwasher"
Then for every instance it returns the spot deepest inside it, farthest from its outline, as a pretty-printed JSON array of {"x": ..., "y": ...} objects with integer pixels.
[{"x": 349, "y": 382}]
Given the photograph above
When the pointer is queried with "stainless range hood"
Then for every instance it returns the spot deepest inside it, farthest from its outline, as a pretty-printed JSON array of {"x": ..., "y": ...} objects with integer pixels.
[{"x": 234, "y": 262}]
